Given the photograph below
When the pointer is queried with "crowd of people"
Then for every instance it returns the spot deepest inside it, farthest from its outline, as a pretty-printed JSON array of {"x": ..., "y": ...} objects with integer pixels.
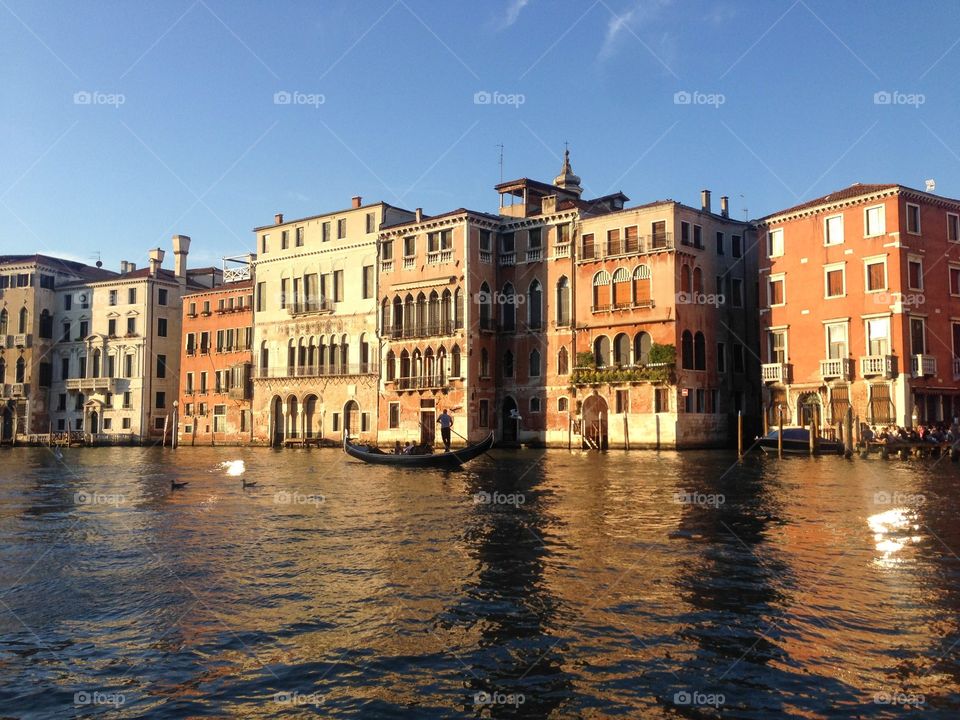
[{"x": 934, "y": 433}]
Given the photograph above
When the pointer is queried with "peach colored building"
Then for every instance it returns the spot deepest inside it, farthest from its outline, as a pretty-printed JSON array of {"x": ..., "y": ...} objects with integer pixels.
[
  {"x": 216, "y": 386},
  {"x": 860, "y": 294}
]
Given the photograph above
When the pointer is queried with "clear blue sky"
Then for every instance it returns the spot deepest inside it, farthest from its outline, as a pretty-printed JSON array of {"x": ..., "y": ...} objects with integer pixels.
[{"x": 199, "y": 146}]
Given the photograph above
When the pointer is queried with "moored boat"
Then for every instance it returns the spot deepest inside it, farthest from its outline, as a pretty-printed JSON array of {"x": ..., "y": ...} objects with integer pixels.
[
  {"x": 445, "y": 460},
  {"x": 796, "y": 441}
]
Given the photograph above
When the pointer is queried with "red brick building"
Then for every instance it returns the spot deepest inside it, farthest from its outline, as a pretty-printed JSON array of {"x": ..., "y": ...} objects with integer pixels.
[
  {"x": 861, "y": 307},
  {"x": 216, "y": 364}
]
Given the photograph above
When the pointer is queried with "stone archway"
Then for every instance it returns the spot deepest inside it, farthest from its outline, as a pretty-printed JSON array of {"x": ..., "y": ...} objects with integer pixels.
[
  {"x": 809, "y": 407},
  {"x": 509, "y": 421},
  {"x": 595, "y": 422},
  {"x": 276, "y": 421},
  {"x": 351, "y": 418}
]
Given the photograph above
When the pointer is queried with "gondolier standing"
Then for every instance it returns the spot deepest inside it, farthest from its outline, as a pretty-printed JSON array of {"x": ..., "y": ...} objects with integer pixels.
[{"x": 445, "y": 422}]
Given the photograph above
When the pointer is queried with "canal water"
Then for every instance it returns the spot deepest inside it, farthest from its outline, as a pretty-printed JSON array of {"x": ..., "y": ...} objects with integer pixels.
[{"x": 533, "y": 584}]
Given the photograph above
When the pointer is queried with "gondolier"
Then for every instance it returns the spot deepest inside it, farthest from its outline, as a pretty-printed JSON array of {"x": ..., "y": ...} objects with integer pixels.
[{"x": 445, "y": 422}]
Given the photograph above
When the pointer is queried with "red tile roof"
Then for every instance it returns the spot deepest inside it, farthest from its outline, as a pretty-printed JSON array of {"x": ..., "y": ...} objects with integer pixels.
[{"x": 855, "y": 190}]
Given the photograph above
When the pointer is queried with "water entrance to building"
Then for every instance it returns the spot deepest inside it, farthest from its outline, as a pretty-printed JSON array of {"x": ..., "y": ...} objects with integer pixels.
[{"x": 595, "y": 422}]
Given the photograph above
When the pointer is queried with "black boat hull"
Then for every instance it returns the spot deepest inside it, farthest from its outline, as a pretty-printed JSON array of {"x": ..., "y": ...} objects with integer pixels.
[{"x": 446, "y": 460}]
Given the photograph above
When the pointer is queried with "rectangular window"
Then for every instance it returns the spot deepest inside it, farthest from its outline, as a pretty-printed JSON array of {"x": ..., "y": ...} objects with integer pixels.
[
  {"x": 264, "y": 240},
  {"x": 485, "y": 244},
  {"x": 719, "y": 243},
  {"x": 661, "y": 400},
  {"x": 112, "y": 297},
  {"x": 128, "y": 365},
  {"x": 189, "y": 389},
  {"x": 684, "y": 233},
  {"x": 336, "y": 422},
  {"x": 833, "y": 230},
  {"x": 131, "y": 326},
  {"x": 107, "y": 423},
  {"x": 284, "y": 239},
  {"x": 534, "y": 237},
  {"x": 954, "y": 280},
  {"x": 775, "y": 294},
  {"x": 721, "y": 357},
  {"x": 162, "y": 296},
  {"x": 203, "y": 382},
  {"x": 697, "y": 236},
  {"x": 67, "y": 300},
  {"x": 775, "y": 243},
  {"x": 913, "y": 219},
  {"x": 874, "y": 221},
  {"x": 65, "y": 368},
  {"x": 112, "y": 327},
  {"x": 365, "y": 422},
  {"x": 918, "y": 336},
  {"x": 506, "y": 243},
  {"x": 953, "y": 227},
  {"x": 299, "y": 238},
  {"x": 371, "y": 222},
  {"x": 219, "y": 418},
  {"x": 132, "y": 296},
  {"x": 161, "y": 327},
  {"x": 126, "y": 401},
  {"x": 701, "y": 400},
  {"x": 261, "y": 296},
  {"x": 876, "y": 272},
  {"x": 158, "y": 423},
  {"x": 386, "y": 250},
  {"x": 284, "y": 289},
  {"x": 836, "y": 340},
  {"x": 161, "y": 400},
  {"x": 367, "y": 281},
  {"x": 736, "y": 291},
  {"x": 409, "y": 246},
  {"x": 161, "y": 366},
  {"x": 834, "y": 281},
  {"x": 622, "y": 402},
  {"x": 394, "y": 416},
  {"x": 915, "y": 273},
  {"x": 738, "y": 358},
  {"x": 589, "y": 249},
  {"x": 735, "y": 246},
  {"x": 338, "y": 285},
  {"x": 483, "y": 413},
  {"x": 341, "y": 228},
  {"x": 325, "y": 231},
  {"x": 878, "y": 336},
  {"x": 777, "y": 346}
]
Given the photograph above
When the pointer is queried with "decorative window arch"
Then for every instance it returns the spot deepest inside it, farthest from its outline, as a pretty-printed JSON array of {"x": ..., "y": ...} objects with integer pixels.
[
  {"x": 563, "y": 301},
  {"x": 508, "y": 364},
  {"x": 563, "y": 362},
  {"x": 601, "y": 351},
  {"x": 508, "y": 308},
  {"x": 699, "y": 352},
  {"x": 535, "y": 363},
  {"x": 484, "y": 363},
  {"x": 685, "y": 278},
  {"x": 621, "y": 349},
  {"x": 535, "y": 305},
  {"x": 641, "y": 348},
  {"x": 391, "y": 365},
  {"x": 23, "y": 320},
  {"x": 621, "y": 287},
  {"x": 455, "y": 362},
  {"x": 4, "y": 321},
  {"x": 486, "y": 304},
  {"x": 642, "y": 281},
  {"x": 601, "y": 296},
  {"x": 686, "y": 350},
  {"x": 697, "y": 280}
]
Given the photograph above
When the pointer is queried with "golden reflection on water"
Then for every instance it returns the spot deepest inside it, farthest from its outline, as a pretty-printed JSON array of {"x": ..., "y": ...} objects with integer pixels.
[{"x": 893, "y": 530}]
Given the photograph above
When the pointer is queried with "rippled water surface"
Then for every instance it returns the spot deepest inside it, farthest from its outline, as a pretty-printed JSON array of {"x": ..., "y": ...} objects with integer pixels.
[{"x": 531, "y": 584}]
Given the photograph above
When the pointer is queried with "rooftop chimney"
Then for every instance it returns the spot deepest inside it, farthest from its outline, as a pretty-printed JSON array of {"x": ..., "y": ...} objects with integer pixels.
[
  {"x": 124, "y": 267},
  {"x": 418, "y": 213},
  {"x": 181, "y": 246},
  {"x": 356, "y": 201},
  {"x": 705, "y": 200},
  {"x": 278, "y": 219},
  {"x": 156, "y": 260},
  {"x": 725, "y": 206}
]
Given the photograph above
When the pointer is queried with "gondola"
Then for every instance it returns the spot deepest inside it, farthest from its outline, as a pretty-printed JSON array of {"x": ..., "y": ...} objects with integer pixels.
[
  {"x": 445, "y": 460},
  {"x": 796, "y": 441}
]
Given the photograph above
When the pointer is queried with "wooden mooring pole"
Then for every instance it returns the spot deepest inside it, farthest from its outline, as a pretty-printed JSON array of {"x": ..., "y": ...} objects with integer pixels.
[
  {"x": 780, "y": 433},
  {"x": 740, "y": 434}
]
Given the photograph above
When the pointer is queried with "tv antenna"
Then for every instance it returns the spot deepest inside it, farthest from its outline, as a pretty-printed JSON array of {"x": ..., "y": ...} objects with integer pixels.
[
  {"x": 746, "y": 215},
  {"x": 500, "y": 145},
  {"x": 931, "y": 185},
  {"x": 96, "y": 256}
]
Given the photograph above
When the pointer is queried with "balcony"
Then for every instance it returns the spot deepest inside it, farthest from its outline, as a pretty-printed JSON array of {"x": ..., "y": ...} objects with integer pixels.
[
  {"x": 22, "y": 340},
  {"x": 310, "y": 307},
  {"x": 956, "y": 368},
  {"x": 627, "y": 246},
  {"x": 561, "y": 250},
  {"x": 923, "y": 365},
  {"x": 98, "y": 384},
  {"x": 619, "y": 375},
  {"x": 386, "y": 266},
  {"x": 316, "y": 371},
  {"x": 409, "y": 262},
  {"x": 836, "y": 369},
  {"x": 508, "y": 258},
  {"x": 486, "y": 256},
  {"x": 776, "y": 372},
  {"x": 239, "y": 393},
  {"x": 433, "y": 382},
  {"x": 19, "y": 390},
  {"x": 534, "y": 255},
  {"x": 884, "y": 366}
]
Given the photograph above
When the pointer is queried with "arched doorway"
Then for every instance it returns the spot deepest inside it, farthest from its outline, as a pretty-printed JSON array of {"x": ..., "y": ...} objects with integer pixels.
[
  {"x": 808, "y": 409},
  {"x": 293, "y": 412},
  {"x": 351, "y": 417},
  {"x": 509, "y": 421},
  {"x": 310, "y": 416},
  {"x": 595, "y": 422},
  {"x": 94, "y": 426},
  {"x": 6, "y": 423},
  {"x": 276, "y": 421}
]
